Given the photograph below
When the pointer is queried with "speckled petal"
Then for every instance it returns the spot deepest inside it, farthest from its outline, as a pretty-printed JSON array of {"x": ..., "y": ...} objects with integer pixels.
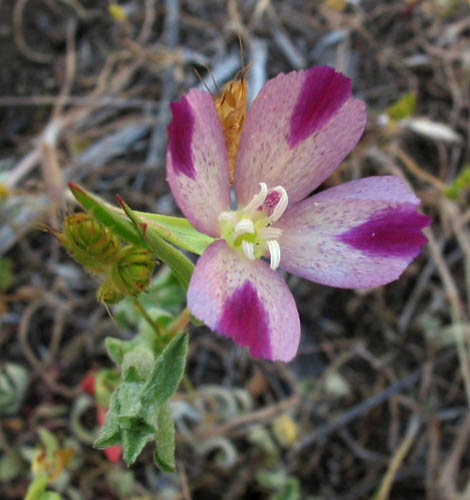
[
  {"x": 197, "y": 161},
  {"x": 245, "y": 300},
  {"x": 298, "y": 130},
  {"x": 360, "y": 234}
]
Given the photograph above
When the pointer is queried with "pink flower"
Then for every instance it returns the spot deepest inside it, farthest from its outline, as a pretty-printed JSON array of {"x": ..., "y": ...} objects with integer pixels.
[{"x": 360, "y": 234}]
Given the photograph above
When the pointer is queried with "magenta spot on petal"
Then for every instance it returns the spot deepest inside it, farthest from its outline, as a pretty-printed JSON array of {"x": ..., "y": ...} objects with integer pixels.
[
  {"x": 244, "y": 318},
  {"x": 180, "y": 133},
  {"x": 394, "y": 232},
  {"x": 323, "y": 92}
]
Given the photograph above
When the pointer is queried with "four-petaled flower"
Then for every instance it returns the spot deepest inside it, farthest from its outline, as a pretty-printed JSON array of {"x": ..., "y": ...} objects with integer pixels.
[{"x": 360, "y": 234}]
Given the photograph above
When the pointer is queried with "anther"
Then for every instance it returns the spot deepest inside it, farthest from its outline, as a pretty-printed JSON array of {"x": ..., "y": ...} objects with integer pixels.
[
  {"x": 274, "y": 253},
  {"x": 270, "y": 233},
  {"x": 248, "y": 249},
  {"x": 244, "y": 226},
  {"x": 228, "y": 216}
]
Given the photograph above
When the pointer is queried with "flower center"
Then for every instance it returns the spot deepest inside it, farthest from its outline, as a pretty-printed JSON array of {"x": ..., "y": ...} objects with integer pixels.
[{"x": 249, "y": 229}]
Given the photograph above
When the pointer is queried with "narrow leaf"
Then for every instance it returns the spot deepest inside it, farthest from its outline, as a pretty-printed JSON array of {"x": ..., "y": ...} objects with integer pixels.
[
  {"x": 167, "y": 372},
  {"x": 50, "y": 495},
  {"x": 130, "y": 393},
  {"x": 177, "y": 231},
  {"x": 164, "y": 455},
  {"x": 110, "y": 433},
  {"x": 107, "y": 215},
  {"x": 114, "y": 349},
  {"x": 37, "y": 487},
  {"x": 133, "y": 443},
  {"x": 403, "y": 108}
]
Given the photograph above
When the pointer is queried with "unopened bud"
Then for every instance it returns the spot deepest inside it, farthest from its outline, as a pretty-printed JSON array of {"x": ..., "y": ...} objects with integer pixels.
[
  {"x": 90, "y": 243},
  {"x": 108, "y": 294},
  {"x": 132, "y": 272}
]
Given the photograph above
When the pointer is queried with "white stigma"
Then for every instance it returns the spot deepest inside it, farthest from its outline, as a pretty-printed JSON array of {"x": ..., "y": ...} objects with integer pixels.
[
  {"x": 228, "y": 216},
  {"x": 270, "y": 233},
  {"x": 244, "y": 226},
  {"x": 274, "y": 253},
  {"x": 248, "y": 249}
]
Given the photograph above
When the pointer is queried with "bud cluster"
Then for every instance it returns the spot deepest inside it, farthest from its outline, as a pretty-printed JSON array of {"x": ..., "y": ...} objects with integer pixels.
[{"x": 122, "y": 270}]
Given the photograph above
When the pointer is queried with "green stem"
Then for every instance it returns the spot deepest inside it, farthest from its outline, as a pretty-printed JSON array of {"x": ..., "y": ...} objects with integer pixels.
[
  {"x": 147, "y": 318},
  {"x": 37, "y": 487},
  {"x": 181, "y": 322}
]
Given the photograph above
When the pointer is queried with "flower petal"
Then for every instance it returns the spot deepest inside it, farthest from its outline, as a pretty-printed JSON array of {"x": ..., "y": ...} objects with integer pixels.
[
  {"x": 298, "y": 130},
  {"x": 197, "y": 161},
  {"x": 360, "y": 234},
  {"x": 245, "y": 300}
]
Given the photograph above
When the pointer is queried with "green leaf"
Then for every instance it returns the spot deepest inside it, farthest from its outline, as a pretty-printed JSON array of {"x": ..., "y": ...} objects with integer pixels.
[
  {"x": 181, "y": 266},
  {"x": 141, "y": 358},
  {"x": 130, "y": 393},
  {"x": 114, "y": 349},
  {"x": 133, "y": 443},
  {"x": 164, "y": 455},
  {"x": 50, "y": 442},
  {"x": 137, "y": 232},
  {"x": 403, "y": 108},
  {"x": 167, "y": 372},
  {"x": 110, "y": 432},
  {"x": 107, "y": 215},
  {"x": 138, "y": 412},
  {"x": 14, "y": 381},
  {"x": 50, "y": 495},
  {"x": 36, "y": 488},
  {"x": 178, "y": 231},
  {"x": 7, "y": 277},
  {"x": 290, "y": 490},
  {"x": 461, "y": 183},
  {"x": 10, "y": 467}
]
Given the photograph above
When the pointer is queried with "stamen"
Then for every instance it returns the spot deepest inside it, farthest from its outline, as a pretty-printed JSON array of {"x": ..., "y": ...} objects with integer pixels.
[
  {"x": 274, "y": 253},
  {"x": 258, "y": 199},
  {"x": 244, "y": 226},
  {"x": 248, "y": 249},
  {"x": 228, "y": 216},
  {"x": 269, "y": 233},
  {"x": 281, "y": 206}
]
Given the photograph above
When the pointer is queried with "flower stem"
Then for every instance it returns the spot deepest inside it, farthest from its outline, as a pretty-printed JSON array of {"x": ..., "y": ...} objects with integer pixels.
[
  {"x": 180, "y": 323},
  {"x": 156, "y": 327}
]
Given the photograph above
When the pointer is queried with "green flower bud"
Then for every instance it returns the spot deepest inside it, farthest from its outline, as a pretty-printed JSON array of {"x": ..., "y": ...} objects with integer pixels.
[
  {"x": 108, "y": 294},
  {"x": 132, "y": 272},
  {"x": 89, "y": 242}
]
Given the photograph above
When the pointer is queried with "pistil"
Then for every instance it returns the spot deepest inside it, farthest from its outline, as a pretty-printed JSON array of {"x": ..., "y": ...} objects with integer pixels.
[{"x": 250, "y": 230}]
